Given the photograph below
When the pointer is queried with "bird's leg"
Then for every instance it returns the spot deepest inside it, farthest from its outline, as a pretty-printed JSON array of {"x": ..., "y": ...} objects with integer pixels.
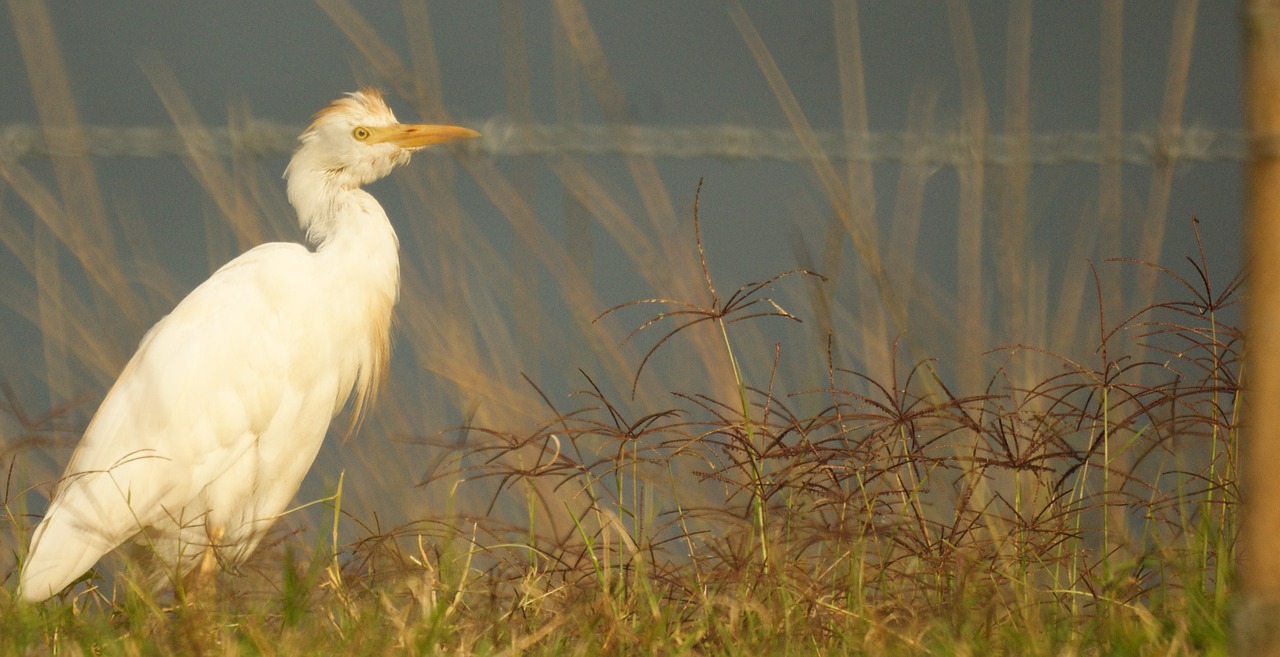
[
  {"x": 197, "y": 612},
  {"x": 202, "y": 581},
  {"x": 209, "y": 563}
]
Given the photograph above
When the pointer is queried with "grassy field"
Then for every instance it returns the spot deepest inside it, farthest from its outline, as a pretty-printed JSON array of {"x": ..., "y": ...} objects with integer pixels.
[
  {"x": 1090, "y": 513},
  {"x": 846, "y": 458}
]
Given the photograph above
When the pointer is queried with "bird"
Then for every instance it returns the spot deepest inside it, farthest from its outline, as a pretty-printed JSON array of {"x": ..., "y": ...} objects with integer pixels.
[{"x": 207, "y": 434}]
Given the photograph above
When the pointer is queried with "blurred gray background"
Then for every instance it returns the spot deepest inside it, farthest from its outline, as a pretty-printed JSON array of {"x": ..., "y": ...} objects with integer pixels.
[{"x": 678, "y": 64}]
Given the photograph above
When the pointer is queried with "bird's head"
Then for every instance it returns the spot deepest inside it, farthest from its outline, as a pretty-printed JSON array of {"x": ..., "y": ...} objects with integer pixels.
[{"x": 357, "y": 140}]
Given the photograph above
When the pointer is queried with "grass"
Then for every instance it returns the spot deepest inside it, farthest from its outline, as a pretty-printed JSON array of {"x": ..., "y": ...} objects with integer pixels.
[
  {"x": 904, "y": 521},
  {"x": 797, "y": 467}
]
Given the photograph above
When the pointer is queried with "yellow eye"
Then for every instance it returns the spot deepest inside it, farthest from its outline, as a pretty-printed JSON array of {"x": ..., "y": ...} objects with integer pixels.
[{"x": 360, "y": 133}]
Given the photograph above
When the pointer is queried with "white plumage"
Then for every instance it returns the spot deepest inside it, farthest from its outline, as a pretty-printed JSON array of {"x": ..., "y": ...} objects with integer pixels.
[{"x": 208, "y": 432}]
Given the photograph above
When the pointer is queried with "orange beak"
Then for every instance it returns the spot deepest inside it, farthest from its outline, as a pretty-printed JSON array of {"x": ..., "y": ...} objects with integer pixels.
[{"x": 418, "y": 136}]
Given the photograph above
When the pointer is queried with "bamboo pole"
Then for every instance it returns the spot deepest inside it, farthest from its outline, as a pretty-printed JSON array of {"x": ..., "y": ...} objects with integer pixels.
[{"x": 1257, "y": 621}]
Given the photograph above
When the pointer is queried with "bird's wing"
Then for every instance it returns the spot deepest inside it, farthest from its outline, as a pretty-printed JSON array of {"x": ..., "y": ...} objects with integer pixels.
[{"x": 205, "y": 381}]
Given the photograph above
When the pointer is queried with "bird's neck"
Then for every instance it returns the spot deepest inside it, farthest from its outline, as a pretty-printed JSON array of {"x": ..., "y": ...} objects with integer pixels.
[
  {"x": 357, "y": 252},
  {"x": 348, "y": 225},
  {"x": 328, "y": 206}
]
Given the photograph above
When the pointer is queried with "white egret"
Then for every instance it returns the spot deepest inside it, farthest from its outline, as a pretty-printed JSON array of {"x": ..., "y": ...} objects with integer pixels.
[{"x": 206, "y": 436}]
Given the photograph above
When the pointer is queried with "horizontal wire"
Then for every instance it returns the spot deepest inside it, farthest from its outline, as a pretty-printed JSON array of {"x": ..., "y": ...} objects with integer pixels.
[{"x": 20, "y": 141}]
